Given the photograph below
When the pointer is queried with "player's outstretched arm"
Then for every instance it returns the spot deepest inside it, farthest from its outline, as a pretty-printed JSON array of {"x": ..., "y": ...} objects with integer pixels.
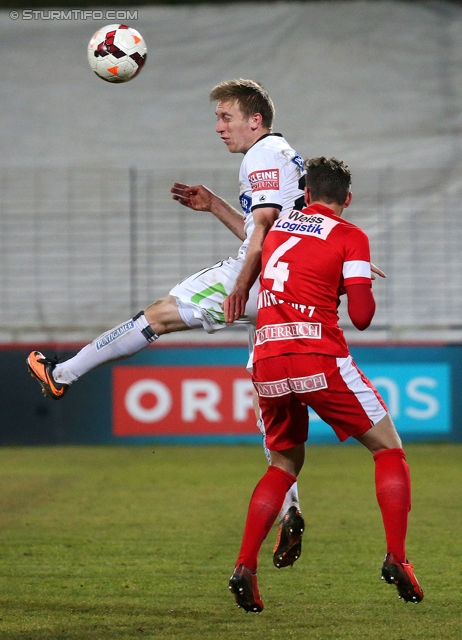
[
  {"x": 200, "y": 198},
  {"x": 234, "y": 304}
]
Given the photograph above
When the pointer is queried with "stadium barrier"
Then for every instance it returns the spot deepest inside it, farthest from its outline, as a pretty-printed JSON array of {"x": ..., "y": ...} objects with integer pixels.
[
  {"x": 192, "y": 394},
  {"x": 122, "y": 242}
]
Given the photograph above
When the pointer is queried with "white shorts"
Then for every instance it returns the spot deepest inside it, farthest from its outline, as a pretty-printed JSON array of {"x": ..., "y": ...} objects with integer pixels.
[{"x": 200, "y": 296}]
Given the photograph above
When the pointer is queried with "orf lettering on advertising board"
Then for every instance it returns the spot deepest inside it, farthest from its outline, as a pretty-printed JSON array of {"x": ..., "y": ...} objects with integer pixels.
[
  {"x": 182, "y": 400},
  {"x": 205, "y": 400}
]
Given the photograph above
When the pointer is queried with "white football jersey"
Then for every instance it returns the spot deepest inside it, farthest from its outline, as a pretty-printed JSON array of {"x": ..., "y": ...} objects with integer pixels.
[{"x": 269, "y": 177}]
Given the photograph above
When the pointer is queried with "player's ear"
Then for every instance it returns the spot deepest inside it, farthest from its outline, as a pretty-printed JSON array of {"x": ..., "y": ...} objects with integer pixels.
[
  {"x": 256, "y": 120},
  {"x": 307, "y": 196},
  {"x": 348, "y": 200}
]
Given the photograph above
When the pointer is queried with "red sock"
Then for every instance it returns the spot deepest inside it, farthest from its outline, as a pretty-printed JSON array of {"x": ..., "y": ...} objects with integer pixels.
[
  {"x": 265, "y": 504},
  {"x": 393, "y": 489}
]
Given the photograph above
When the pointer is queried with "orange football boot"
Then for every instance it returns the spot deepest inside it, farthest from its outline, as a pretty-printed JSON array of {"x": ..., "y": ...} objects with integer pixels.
[{"x": 41, "y": 368}]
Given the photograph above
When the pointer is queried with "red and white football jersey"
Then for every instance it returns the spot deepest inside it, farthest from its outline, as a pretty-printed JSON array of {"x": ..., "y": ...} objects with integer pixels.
[{"x": 308, "y": 256}]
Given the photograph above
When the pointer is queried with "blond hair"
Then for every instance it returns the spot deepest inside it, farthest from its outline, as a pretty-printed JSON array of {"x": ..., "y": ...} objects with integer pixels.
[{"x": 250, "y": 96}]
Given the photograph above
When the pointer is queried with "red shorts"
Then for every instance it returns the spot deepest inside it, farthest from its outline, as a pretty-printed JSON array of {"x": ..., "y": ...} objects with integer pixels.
[{"x": 333, "y": 387}]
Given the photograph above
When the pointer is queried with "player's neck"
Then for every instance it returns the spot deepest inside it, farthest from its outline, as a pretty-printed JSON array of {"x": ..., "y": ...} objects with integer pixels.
[
  {"x": 258, "y": 135},
  {"x": 337, "y": 209}
]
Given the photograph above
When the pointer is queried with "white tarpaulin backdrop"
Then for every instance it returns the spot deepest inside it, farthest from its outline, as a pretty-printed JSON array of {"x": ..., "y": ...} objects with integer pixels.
[
  {"x": 88, "y": 230},
  {"x": 376, "y": 83}
]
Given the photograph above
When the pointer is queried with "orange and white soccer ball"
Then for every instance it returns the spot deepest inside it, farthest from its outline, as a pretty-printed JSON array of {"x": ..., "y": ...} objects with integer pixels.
[{"x": 117, "y": 53}]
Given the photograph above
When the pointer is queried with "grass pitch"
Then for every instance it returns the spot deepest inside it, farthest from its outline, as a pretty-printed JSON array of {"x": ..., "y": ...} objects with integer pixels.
[{"x": 139, "y": 542}]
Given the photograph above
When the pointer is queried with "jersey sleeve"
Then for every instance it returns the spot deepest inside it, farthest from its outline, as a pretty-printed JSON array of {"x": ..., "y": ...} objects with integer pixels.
[
  {"x": 361, "y": 305},
  {"x": 357, "y": 260}
]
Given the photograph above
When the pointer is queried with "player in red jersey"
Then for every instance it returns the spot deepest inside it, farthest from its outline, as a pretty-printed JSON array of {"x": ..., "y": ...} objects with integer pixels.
[{"x": 301, "y": 360}]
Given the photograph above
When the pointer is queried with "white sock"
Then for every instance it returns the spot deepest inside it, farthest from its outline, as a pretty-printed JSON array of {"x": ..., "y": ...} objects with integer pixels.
[
  {"x": 120, "y": 342},
  {"x": 261, "y": 428},
  {"x": 290, "y": 500}
]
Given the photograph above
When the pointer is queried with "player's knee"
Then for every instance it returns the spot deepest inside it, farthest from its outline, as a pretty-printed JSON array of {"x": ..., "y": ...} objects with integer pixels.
[
  {"x": 381, "y": 436},
  {"x": 163, "y": 316},
  {"x": 290, "y": 460}
]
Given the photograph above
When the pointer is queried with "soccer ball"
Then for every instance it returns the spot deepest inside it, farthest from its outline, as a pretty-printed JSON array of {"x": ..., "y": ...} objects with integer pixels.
[{"x": 117, "y": 53}]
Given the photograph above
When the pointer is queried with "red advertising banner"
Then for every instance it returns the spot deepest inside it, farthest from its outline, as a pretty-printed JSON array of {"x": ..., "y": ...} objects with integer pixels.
[{"x": 154, "y": 401}]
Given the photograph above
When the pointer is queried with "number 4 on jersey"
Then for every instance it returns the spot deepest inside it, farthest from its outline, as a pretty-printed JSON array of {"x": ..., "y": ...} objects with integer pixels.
[{"x": 279, "y": 271}]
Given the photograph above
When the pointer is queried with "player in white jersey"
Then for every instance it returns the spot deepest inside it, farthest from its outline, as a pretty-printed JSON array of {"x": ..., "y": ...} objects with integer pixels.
[
  {"x": 270, "y": 184},
  {"x": 269, "y": 181}
]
